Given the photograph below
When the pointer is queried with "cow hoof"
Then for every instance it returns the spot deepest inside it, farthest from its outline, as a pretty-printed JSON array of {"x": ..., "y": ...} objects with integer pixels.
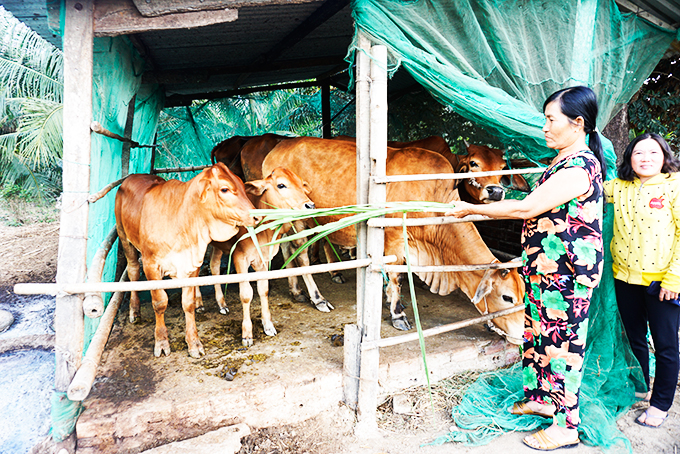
[
  {"x": 200, "y": 310},
  {"x": 269, "y": 329},
  {"x": 324, "y": 306},
  {"x": 196, "y": 350},
  {"x": 338, "y": 279},
  {"x": 134, "y": 319},
  {"x": 401, "y": 323},
  {"x": 300, "y": 298},
  {"x": 224, "y": 310},
  {"x": 162, "y": 347},
  {"x": 247, "y": 342}
]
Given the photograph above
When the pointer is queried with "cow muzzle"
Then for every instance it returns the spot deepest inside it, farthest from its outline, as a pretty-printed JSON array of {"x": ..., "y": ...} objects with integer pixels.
[{"x": 493, "y": 193}]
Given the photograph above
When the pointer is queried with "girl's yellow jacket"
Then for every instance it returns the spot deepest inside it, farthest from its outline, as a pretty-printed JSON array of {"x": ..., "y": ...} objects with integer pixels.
[{"x": 646, "y": 243}]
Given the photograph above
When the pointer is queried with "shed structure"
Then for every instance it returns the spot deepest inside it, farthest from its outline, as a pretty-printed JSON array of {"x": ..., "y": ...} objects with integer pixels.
[{"x": 124, "y": 60}]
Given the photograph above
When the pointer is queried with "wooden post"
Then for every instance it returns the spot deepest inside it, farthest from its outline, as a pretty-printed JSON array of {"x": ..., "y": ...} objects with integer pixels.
[
  {"x": 72, "y": 256},
  {"x": 129, "y": 121},
  {"x": 370, "y": 360},
  {"x": 326, "y": 110},
  {"x": 352, "y": 353}
]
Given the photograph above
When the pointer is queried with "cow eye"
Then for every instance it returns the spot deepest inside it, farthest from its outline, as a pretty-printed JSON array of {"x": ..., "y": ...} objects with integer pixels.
[
  {"x": 281, "y": 186},
  {"x": 224, "y": 190},
  {"x": 508, "y": 299},
  {"x": 473, "y": 164}
]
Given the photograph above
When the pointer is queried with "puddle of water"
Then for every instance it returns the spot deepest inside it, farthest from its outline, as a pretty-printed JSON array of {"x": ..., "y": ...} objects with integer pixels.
[{"x": 26, "y": 377}]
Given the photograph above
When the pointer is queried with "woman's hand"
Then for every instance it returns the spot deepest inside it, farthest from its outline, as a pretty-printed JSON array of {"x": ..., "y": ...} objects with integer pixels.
[
  {"x": 460, "y": 209},
  {"x": 666, "y": 294}
]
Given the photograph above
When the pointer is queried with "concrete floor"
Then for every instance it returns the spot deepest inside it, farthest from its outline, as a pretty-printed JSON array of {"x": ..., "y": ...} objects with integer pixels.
[{"x": 139, "y": 401}]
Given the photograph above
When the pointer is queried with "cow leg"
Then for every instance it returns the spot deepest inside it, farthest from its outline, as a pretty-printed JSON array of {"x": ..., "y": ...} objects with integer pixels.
[
  {"x": 293, "y": 282},
  {"x": 393, "y": 292},
  {"x": 133, "y": 271},
  {"x": 336, "y": 276},
  {"x": 215, "y": 264},
  {"x": 198, "y": 298},
  {"x": 159, "y": 300},
  {"x": 246, "y": 295},
  {"x": 263, "y": 291},
  {"x": 189, "y": 306},
  {"x": 314, "y": 294}
]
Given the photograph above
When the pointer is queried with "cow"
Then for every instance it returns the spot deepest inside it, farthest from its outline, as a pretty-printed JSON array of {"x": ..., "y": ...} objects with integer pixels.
[
  {"x": 480, "y": 158},
  {"x": 228, "y": 152},
  {"x": 171, "y": 224},
  {"x": 281, "y": 189},
  {"x": 324, "y": 163},
  {"x": 252, "y": 155},
  {"x": 254, "y": 152}
]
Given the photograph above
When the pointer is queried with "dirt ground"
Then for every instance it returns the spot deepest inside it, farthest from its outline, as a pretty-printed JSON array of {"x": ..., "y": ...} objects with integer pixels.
[{"x": 29, "y": 254}]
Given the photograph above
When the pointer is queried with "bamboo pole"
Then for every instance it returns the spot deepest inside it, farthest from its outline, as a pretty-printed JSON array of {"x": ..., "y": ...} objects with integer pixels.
[
  {"x": 179, "y": 169},
  {"x": 352, "y": 352},
  {"x": 72, "y": 289},
  {"x": 99, "y": 129},
  {"x": 454, "y": 176},
  {"x": 82, "y": 381},
  {"x": 449, "y": 268},
  {"x": 377, "y": 193},
  {"x": 410, "y": 222},
  {"x": 93, "y": 304},
  {"x": 105, "y": 190},
  {"x": 395, "y": 340}
]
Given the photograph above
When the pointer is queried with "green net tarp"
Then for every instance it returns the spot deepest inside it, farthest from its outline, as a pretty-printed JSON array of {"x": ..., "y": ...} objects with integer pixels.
[{"x": 494, "y": 62}]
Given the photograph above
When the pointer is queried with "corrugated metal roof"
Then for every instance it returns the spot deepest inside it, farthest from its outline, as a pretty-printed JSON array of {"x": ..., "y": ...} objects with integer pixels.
[{"x": 272, "y": 41}]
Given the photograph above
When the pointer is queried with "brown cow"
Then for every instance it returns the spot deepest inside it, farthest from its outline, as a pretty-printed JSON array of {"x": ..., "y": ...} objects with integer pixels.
[
  {"x": 228, "y": 152},
  {"x": 281, "y": 189},
  {"x": 254, "y": 152},
  {"x": 488, "y": 189},
  {"x": 323, "y": 163},
  {"x": 171, "y": 224}
]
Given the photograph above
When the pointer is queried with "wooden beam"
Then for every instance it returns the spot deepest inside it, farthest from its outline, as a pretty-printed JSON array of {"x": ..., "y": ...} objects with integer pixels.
[
  {"x": 186, "y": 100},
  {"x": 161, "y": 7},
  {"x": 326, "y": 110},
  {"x": 317, "y": 18},
  {"x": 121, "y": 17},
  {"x": 196, "y": 75}
]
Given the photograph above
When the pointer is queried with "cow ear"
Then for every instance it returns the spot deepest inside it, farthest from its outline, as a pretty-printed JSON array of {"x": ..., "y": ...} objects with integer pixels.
[
  {"x": 256, "y": 187},
  {"x": 306, "y": 187},
  {"x": 463, "y": 168},
  {"x": 204, "y": 188},
  {"x": 519, "y": 183},
  {"x": 484, "y": 288}
]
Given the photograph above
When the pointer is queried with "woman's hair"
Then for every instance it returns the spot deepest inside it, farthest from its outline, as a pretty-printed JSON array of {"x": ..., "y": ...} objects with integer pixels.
[
  {"x": 581, "y": 102},
  {"x": 670, "y": 162}
]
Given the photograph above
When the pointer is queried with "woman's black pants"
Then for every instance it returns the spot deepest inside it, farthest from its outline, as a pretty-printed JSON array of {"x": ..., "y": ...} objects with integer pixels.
[{"x": 638, "y": 308}]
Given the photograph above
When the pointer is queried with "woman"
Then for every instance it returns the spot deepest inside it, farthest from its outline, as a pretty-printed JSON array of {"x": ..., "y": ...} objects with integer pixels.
[
  {"x": 562, "y": 263},
  {"x": 646, "y": 255}
]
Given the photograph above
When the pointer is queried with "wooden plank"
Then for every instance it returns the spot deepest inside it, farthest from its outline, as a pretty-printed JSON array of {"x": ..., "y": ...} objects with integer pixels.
[
  {"x": 72, "y": 255},
  {"x": 455, "y": 176},
  {"x": 326, "y": 110},
  {"x": 127, "y": 134},
  {"x": 162, "y": 7},
  {"x": 121, "y": 17}
]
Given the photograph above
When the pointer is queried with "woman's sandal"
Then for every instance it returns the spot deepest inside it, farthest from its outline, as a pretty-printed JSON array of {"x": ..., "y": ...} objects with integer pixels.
[
  {"x": 521, "y": 408},
  {"x": 648, "y": 417},
  {"x": 545, "y": 443}
]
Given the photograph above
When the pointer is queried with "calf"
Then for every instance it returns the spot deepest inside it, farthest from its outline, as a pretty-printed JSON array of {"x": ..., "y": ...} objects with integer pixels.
[
  {"x": 171, "y": 224},
  {"x": 281, "y": 189}
]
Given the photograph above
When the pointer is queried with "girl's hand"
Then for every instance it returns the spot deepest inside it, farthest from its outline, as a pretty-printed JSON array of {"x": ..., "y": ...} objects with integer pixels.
[
  {"x": 666, "y": 294},
  {"x": 460, "y": 209}
]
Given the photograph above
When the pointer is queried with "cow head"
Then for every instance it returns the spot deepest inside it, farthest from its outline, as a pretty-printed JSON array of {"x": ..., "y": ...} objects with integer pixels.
[
  {"x": 499, "y": 290},
  {"x": 224, "y": 202},
  {"x": 488, "y": 189},
  {"x": 281, "y": 189}
]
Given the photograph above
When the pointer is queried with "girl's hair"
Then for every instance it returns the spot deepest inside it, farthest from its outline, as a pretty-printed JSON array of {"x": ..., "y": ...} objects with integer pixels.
[
  {"x": 581, "y": 102},
  {"x": 670, "y": 162}
]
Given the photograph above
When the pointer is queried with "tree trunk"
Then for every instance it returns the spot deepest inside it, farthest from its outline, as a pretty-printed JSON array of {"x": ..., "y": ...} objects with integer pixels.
[{"x": 617, "y": 131}]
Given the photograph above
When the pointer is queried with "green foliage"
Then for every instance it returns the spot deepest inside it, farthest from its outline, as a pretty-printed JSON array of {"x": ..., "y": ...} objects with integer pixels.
[
  {"x": 656, "y": 107},
  {"x": 30, "y": 110}
]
